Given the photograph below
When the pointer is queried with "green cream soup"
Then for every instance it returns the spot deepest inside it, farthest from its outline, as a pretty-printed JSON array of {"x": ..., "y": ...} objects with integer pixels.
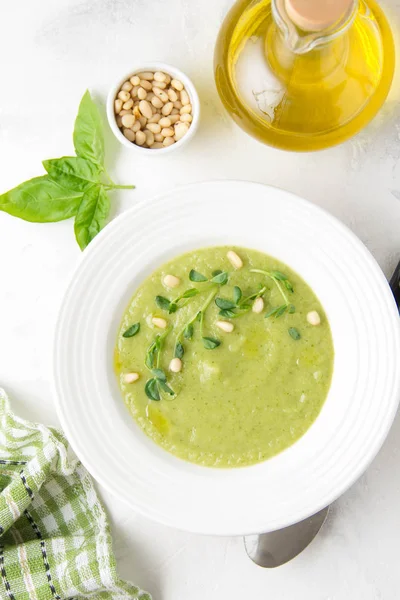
[{"x": 241, "y": 396}]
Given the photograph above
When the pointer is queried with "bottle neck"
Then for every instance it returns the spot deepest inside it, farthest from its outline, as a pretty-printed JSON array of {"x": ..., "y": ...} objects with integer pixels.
[{"x": 300, "y": 41}]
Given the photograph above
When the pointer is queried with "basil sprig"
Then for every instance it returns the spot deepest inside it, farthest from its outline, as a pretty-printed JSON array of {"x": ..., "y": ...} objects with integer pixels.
[{"x": 75, "y": 186}]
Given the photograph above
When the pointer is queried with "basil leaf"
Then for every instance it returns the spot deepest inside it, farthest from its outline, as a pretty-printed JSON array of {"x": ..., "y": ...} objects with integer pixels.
[
  {"x": 163, "y": 303},
  {"x": 179, "y": 350},
  {"x": 224, "y": 304},
  {"x": 88, "y": 132},
  {"x": 41, "y": 200},
  {"x": 190, "y": 293},
  {"x": 278, "y": 275},
  {"x": 131, "y": 331},
  {"x": 237, "y": 294},
  {"x": 221, "y": 278},
  {"x": 151, "y": 389},
  {"x": 188, "y": 333},
  {"x": 210, "y": 343},
  {"x": 166, "y": 388},
  {"x": 72, "y": 172},
  {"x": 92, "y": 215},
  {"x": 196, "y": 276},
  {"x": 159, "y": 374},
  {"x": 227, "y": 313},
  {"x": 294, "y": 333}
]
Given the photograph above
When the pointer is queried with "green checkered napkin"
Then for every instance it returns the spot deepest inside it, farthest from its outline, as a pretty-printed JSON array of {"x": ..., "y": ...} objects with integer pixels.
[{"x": 55, "y": 540}]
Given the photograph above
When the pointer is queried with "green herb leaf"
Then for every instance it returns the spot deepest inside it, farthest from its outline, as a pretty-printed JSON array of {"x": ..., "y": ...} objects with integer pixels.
[
  {"x": 227, "y": 313},
  {"x": 224, "y": 304},
  {"x": 151, "y": 389},
  {"x": 294, "y": 333},
  {"x": 159, "y": 374},
  {"x": 41, "y": 200},
  {"x": 216, "y": 272},
  {"x": 179, "y": 350},
  {"x": 278, "y": 275},
  {"x": 288, "y": 285},
  {"x": 163, "y": 303},
  {"x": 196, "y": 276},
  {"x": 292, "y": 309},
  {"x": 73, "y": 172},
  {"x": 190, "y": 293},
  {"x": 88, "y": 132},
  {"x": 166, "y": 388},
  {"x": 277, "y": 311},
  {"x": 131, "y": 331},
  {"x": 172, "y": 308},
  {"x": 150, "y": 356},
  {"x": 210, "y": 343},
  {"x": 92, "y": 215},
  {"x": 237, "y": 294},
  {"x": 188, "y": 333},
  {"x": 198, "y": 316},
  {"x": 221, "y": 278}
]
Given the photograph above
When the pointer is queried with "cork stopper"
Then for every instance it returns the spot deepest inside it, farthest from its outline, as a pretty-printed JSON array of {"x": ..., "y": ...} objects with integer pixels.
[{"x": 316, "y": 15}]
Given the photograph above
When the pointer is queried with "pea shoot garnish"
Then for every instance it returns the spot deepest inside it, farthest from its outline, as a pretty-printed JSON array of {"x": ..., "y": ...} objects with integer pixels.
[
  {"x": 132, "y": 330},
  {"x": 239, "y": 305},
  {"x": 281, "y": 282},
  {"x": 294, "y": 333}
]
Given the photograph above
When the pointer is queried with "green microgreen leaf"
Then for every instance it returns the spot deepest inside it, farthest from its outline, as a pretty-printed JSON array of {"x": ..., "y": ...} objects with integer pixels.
[
  {"x": 277, "y": 311},
  {"x": 227, "y": 313},
  {"x": 216, "y": 272},
  {"x": 163, "y": 303},
  {"x": 224, "y": 304},
  {"x": 278, "y": 275},
  {"x": 221, "y": 278},
  {"x": 237, "y": 294},
  {"x": 196, "y": 276},
  {"x": 173, "y": 307},
  {"x": 151, "y": 390},
  {"x": 150, "y": 356},
  {"x": 188, "y": 332},
  {"x": 131, "y": 331},
  {"x": 190, "y": 293},
  {"x": 210, "y": 343},
  {"x": 282, "y": 309},
  {"x": 159, "y": 374},
  {"x": 166, "y": 388},
  {"x": 288, "y": 285},
  {"x": 292, "y": 309},
  {"x": 294, "y": 333},
  {"x": 179, "y": 350}
]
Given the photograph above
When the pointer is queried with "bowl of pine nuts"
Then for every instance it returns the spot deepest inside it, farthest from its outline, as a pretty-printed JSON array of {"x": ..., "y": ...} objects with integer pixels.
[{"x": 154, "y": 107}]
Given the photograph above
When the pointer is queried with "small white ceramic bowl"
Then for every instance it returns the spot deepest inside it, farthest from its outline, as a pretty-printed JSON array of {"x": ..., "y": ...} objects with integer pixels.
[{"x": 175, "y": 74}]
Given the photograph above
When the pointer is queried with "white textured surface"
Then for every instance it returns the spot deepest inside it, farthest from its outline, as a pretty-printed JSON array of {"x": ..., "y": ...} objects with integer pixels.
[{"x": 52, "y": 51}]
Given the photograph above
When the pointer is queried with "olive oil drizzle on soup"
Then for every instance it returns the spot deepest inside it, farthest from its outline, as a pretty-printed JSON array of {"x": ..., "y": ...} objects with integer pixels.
[{"x": 229, "y": 374}]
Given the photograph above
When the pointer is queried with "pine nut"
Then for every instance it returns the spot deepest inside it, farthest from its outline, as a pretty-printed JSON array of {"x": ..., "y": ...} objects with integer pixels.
[
  {"x": 171, "y": 281},
  {"x": 119, "y": 121},
  {"x": 155, "y": 118},
  {"x": 185, "y": 98},
  {"x": 186, "y": 109},
  {"x": 159, "y": 84},
  {"x": 258, "y": 306},
  {"x": 173, "y": 118},
  {"x": 140, "y": 138},
  {"x": 157, "y": 102},
  {"x": 234, "y": 259},
  {"x": 160, "y": 76},
  {"x": 157, "y": 144},
  {"x": 153, "y": 109},
  {"x": 146, "y": 75},
  {"x": 167, "y": 132},
  {"x": 159, "y": 322},
  {"x": 128, "y": 104},
  {"x": 313, "y": 318},
  {"x": 145, "y": 109},
  {"x": 178, "y": 85},
  {"x": 225, "y": 326},
  {"x": 117, "y": 106},
  {"x": 167, "y": 78},
  {"x": 123, "y": 95},
  {"x": 149, "y": 137},
  {"x": 169, "y": 141},
  {"x": 158, "y": 137},
  {"x": 175, "y": 111},
  {"x": 181, "y": 129},
  {"x": 125, "y": 112},
  {"x": 127, "y": 86},
  {"x": 136, "y": 126},
  {"x": 134, "y": 91},
  {"x": 178, "y": 104},
  {"x": 143, "y": 122},
  {"x": 131, "y": 377},
  {"x": 165, "y": 122},
  {"x": 186, "y": 118},
  {"x": 172, "y": 95},
  {"x": 145, "y": 85},
  {"x": 167, "y": 108},
  {"x": 141, "y": 93},
  {"x": 154, "y": 127},
  {"x": 175, "y": 365},
  {"x": 128, "y": 120},
  {"x": 129, "y": 134},
  {"x": 135, "y": 80},
  {"x": 160, "y": 94}
]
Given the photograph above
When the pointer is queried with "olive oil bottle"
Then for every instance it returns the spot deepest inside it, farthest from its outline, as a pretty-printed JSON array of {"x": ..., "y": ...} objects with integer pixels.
[{"x": 304, "y": 74}]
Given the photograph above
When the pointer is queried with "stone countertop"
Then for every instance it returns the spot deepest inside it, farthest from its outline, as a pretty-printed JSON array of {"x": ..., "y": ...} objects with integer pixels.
[{"x": 51, "y": 52}]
